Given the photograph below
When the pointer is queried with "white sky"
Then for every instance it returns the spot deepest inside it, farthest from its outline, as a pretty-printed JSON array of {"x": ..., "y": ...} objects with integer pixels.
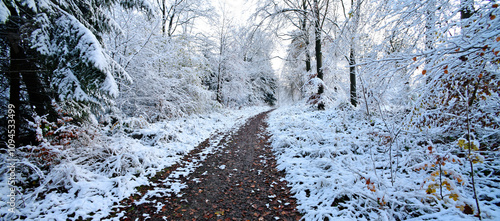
[{"x": 239, "y": 10}]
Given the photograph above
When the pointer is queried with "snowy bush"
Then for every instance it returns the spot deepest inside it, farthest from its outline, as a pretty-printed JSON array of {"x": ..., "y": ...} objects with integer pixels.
[{"x": 343, "y": 166}]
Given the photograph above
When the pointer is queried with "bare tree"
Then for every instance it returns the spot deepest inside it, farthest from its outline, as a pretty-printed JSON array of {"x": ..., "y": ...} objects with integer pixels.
[
  {"x": 180, "y": 13},
  {"x": 352, "y": 21},
  {"x": 300, "y": 13}
]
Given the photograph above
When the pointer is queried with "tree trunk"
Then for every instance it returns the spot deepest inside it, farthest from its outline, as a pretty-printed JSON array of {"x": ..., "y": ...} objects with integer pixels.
[
  {"x": 219, "y": 86},
  {"x": 171, "y": 24},
  {"x": 22, "y": 65},
  {"x": 352, "y": 76},
  {"x": 163, "y": 8},
  {"x": 306, "y": 38},
  {"x": 308, "y": 61},
  {"x": 352, "y": 53},
  {"x": 15, "y": 100},
  {"x": 319, "y": 55},
  {"x": 38, "y": 97},
  {"x": 17, "y": 59},
  {"x": 220, "y": 67}
]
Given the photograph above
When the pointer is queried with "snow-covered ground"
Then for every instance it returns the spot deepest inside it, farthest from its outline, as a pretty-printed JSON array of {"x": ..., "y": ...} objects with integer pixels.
[
  {"x": 338, "y": 164},
  {"x": 94, "y": 174}
]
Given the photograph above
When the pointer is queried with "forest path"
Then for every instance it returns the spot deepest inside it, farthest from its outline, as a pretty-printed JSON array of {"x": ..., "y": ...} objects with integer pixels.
[{"x": 230, "y": 176}]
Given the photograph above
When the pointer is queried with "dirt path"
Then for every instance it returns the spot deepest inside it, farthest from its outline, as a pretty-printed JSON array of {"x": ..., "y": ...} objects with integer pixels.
[{"x": 227, "y": 177}]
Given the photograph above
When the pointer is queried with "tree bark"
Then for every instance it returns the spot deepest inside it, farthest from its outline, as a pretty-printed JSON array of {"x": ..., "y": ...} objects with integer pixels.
[
  {"x": 171, "y": 24},
  {"x": 38, "y": 97},
  {"x": 220, "y": 64},
  {"x": 23, "y": 68},
  {"x": 163, "y": 9},
  {"x": 319, "y": 55},
  {"x": 352, "y": 77},
  {"x": 14, "y": 98},
  {"x": 17, "y": 58},
  {"x": 219, "y": 86},
  {"x": 306, "y": 38}
]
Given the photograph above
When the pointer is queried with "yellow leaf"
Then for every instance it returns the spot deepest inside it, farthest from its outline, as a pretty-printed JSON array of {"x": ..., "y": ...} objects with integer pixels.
[
  {"x": 474, "y": 147},
  {"x": 478, "y": 159},
  {"x": 461, "y": 142},
  {"x": 466, "y": 146}
]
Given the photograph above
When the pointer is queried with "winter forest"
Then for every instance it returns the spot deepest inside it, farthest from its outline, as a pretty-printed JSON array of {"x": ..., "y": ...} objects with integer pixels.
[{"x": 326, "y": 109}]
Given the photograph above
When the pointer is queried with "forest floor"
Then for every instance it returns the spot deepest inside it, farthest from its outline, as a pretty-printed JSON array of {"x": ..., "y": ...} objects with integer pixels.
[{"x": 229, "y": 176}]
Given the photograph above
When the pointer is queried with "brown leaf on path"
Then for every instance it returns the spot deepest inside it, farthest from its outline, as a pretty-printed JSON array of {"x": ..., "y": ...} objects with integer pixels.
[{"x": 239, "y": 193}]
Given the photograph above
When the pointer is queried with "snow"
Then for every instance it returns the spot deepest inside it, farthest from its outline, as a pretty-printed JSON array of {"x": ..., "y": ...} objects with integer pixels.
[
  {"x": 95, "y": 174},
  {"x": 110, "y": 85},
  {"x": 4, "y": 13},
  {"x": 338, "y": 167},
  {"x": 89, "y": 47}
]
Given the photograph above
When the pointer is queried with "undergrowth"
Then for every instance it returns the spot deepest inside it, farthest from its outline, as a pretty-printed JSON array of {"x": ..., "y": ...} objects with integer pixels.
[{"x": 343, "y": 165}]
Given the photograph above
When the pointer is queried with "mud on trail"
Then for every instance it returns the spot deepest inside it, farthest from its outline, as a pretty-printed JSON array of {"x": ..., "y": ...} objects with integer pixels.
[{"x": 230, "y": 176}]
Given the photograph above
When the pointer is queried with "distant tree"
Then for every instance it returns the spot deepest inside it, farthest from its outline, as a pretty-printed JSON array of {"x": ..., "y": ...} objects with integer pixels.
[
  {"x": 166, "y": 71},
  {"x": 239, "y": 58},
  {"x": 310, "y": 17},
  {"x": 293, "y": 76},
  {"x": 257, "y": 47},
  {"x": 181, "y": 13}
]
